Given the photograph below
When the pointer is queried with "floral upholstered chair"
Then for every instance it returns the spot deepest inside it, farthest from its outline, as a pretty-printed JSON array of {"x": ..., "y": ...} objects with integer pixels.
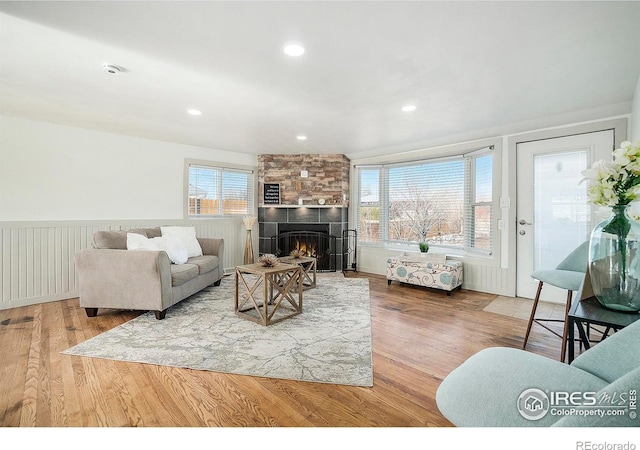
[{"x": 428, "y": 270}]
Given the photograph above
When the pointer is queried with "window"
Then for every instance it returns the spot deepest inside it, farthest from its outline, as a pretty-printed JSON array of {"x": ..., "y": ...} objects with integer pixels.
[
  {"x": 369, "y": 211},
  {"x": 479, "y": 215},
  {"x": 218, "y": 191},
  {"x": 447, "y": 202}
]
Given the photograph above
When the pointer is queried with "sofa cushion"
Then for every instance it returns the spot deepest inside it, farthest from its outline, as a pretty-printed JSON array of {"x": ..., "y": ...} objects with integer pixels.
[
  {"x": 205, "y": 263},
  {"x": 116, "y": 240},
  {"x": 182, "y": 273}
]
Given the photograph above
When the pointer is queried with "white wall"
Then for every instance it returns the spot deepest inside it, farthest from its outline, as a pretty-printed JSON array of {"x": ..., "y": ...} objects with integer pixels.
[
  {"x": 58, "y": 185},
  {"x": 54, "y": 172},
  {"x": 635, "y": 114},
  {"x": 498, "y": 274}
]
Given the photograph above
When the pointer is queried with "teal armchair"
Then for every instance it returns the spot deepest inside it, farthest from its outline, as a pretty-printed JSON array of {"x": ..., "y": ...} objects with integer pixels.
[{"x": 507, "y": 387}]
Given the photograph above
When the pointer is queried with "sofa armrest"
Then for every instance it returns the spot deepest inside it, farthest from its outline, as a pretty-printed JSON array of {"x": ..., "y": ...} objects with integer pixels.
[
  {"x": 124, "y": 279},
  {"x": 211, "y": 246},
  {"x": 215, "y": 247}
]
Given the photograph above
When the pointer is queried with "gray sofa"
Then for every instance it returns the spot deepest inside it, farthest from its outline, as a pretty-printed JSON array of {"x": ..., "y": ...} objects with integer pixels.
[
  {"x": 110, "y": 276},
  {"x": 506, "y": 387}
]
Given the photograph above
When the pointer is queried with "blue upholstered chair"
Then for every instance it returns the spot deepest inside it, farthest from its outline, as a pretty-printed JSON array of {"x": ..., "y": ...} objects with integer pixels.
[
  {"x": 491, "y": 388},
  {"x": 567, "y": 275}
]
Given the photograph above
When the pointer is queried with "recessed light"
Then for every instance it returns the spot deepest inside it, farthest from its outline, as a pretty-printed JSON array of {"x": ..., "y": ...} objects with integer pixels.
[
  {"x": 301, "y": 138},
  {"x": 293, "y": 49},
  {"x": 194, "y": 112},
  {"x": 409, "y": 108}
]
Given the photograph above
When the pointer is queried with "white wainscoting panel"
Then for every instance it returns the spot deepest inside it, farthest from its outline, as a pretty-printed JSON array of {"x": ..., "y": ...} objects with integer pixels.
[
  {"x": 37, "y": 258},
  {"x": 477, "y": 277}
]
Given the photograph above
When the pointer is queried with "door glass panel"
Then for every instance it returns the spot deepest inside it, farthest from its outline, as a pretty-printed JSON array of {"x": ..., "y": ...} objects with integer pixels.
[{"x": 561, "y": 218}]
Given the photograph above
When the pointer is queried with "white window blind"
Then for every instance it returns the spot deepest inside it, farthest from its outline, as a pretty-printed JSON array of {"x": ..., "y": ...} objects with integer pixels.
[
  {"x": 479, "y": 193},
  {"x": 368, "y": 213},
  {"x": 426, "y": 202},
  {"x": 447, "y": 202},
  {"x": 218, "y": 191}
]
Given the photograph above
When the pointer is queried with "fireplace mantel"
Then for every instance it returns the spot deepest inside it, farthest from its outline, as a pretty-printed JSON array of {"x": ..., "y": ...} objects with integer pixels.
[{"x": 303, "y": 206}]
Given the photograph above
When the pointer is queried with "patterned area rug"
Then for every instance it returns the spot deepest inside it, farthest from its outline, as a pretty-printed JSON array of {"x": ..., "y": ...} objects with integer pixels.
[{"x": 330, "y": 342}]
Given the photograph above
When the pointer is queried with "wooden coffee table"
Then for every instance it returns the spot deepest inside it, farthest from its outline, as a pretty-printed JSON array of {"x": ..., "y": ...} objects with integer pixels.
[
  {"x": 280, "y": 297},
  {"x": 309, "y": 265}
]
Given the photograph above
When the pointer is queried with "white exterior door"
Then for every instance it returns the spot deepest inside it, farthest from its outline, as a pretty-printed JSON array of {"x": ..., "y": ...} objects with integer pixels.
[{"x": 553, "y": 213}]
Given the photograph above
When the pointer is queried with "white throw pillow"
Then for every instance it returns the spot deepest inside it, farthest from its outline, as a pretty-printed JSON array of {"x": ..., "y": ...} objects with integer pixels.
[
  {"x": 188, "y": 237},
  {"x": 139, "y": 242},
  {"x": 174, "y": 247}
]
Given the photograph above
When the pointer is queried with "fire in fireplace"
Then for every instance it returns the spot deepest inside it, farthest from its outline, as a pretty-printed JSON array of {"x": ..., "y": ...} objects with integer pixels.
[
  {"x": 308, "y": 248},
  {"x": 313, "y": 239}
]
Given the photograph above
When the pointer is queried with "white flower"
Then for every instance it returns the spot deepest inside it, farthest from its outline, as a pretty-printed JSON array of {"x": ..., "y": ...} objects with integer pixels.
[
  {"x": 618, "y": 181},
  {"x": 635, "y": 192}
]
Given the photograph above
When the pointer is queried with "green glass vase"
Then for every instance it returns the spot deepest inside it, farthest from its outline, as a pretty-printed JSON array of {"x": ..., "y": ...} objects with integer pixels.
[{"x": 614, "y": 261}]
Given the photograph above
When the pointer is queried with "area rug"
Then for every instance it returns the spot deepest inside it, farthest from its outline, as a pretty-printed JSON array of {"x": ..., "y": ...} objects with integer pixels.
[{"x": 330, "y": 342}]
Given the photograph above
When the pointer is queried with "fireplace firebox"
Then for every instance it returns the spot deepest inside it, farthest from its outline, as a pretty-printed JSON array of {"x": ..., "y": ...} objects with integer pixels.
[{"x": 313, "y": 239}]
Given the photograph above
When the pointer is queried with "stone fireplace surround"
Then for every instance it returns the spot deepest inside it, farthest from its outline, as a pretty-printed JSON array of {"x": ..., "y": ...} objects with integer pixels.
[
  {"x": 269, "y": 219},
  {"x": 308, "y": 179}
]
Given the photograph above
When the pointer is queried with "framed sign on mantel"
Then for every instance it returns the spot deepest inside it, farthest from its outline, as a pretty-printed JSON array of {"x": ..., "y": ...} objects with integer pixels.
[{"x": 271, "y": 193}]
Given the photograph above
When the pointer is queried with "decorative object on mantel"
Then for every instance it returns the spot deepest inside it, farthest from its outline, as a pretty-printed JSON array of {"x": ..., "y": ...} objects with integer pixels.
[
  {"x": 614, "y": 263},
  {"x": 249, "y": 221},
  {"x": 268, "y": 260},
  {"x": 271, "y": 194},
  {"x": 296, "y": 253}
]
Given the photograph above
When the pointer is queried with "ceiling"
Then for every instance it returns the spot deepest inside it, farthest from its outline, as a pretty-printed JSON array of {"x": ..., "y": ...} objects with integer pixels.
[{"x": 472, "y": 69}]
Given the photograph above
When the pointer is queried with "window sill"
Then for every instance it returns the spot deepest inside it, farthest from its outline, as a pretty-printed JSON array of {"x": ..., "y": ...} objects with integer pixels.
[{"x": 454, "y": 254}]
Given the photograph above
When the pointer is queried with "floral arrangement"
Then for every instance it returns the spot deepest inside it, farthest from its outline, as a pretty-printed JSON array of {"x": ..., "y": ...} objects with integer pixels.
[
  {"x": 295, "y": 253},
  {"x": 268, "y": 260},
  {"x": 617, "y": 182},
  {"x": 249, "y": 221}
]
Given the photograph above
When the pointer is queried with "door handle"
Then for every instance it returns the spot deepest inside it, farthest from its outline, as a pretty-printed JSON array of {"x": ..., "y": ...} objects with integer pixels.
[{"x": 524, "y": 222}]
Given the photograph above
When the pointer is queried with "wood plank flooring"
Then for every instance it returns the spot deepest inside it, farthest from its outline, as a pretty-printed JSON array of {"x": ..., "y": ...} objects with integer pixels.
[{"x": 419, "y": 336}]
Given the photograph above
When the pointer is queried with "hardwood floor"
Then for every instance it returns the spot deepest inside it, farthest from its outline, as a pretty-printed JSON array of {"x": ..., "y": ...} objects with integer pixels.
[{"x": 419, "y": 336}]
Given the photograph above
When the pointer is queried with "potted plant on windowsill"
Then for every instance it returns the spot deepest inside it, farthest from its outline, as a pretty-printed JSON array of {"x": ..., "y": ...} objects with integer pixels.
[{"x": 424, "y": 246}]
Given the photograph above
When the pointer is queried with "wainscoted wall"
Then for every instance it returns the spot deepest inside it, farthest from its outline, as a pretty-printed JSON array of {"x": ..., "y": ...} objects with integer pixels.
[
  {"x": 37, "y": 258},
  {"x": 477, "y": 277}
]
